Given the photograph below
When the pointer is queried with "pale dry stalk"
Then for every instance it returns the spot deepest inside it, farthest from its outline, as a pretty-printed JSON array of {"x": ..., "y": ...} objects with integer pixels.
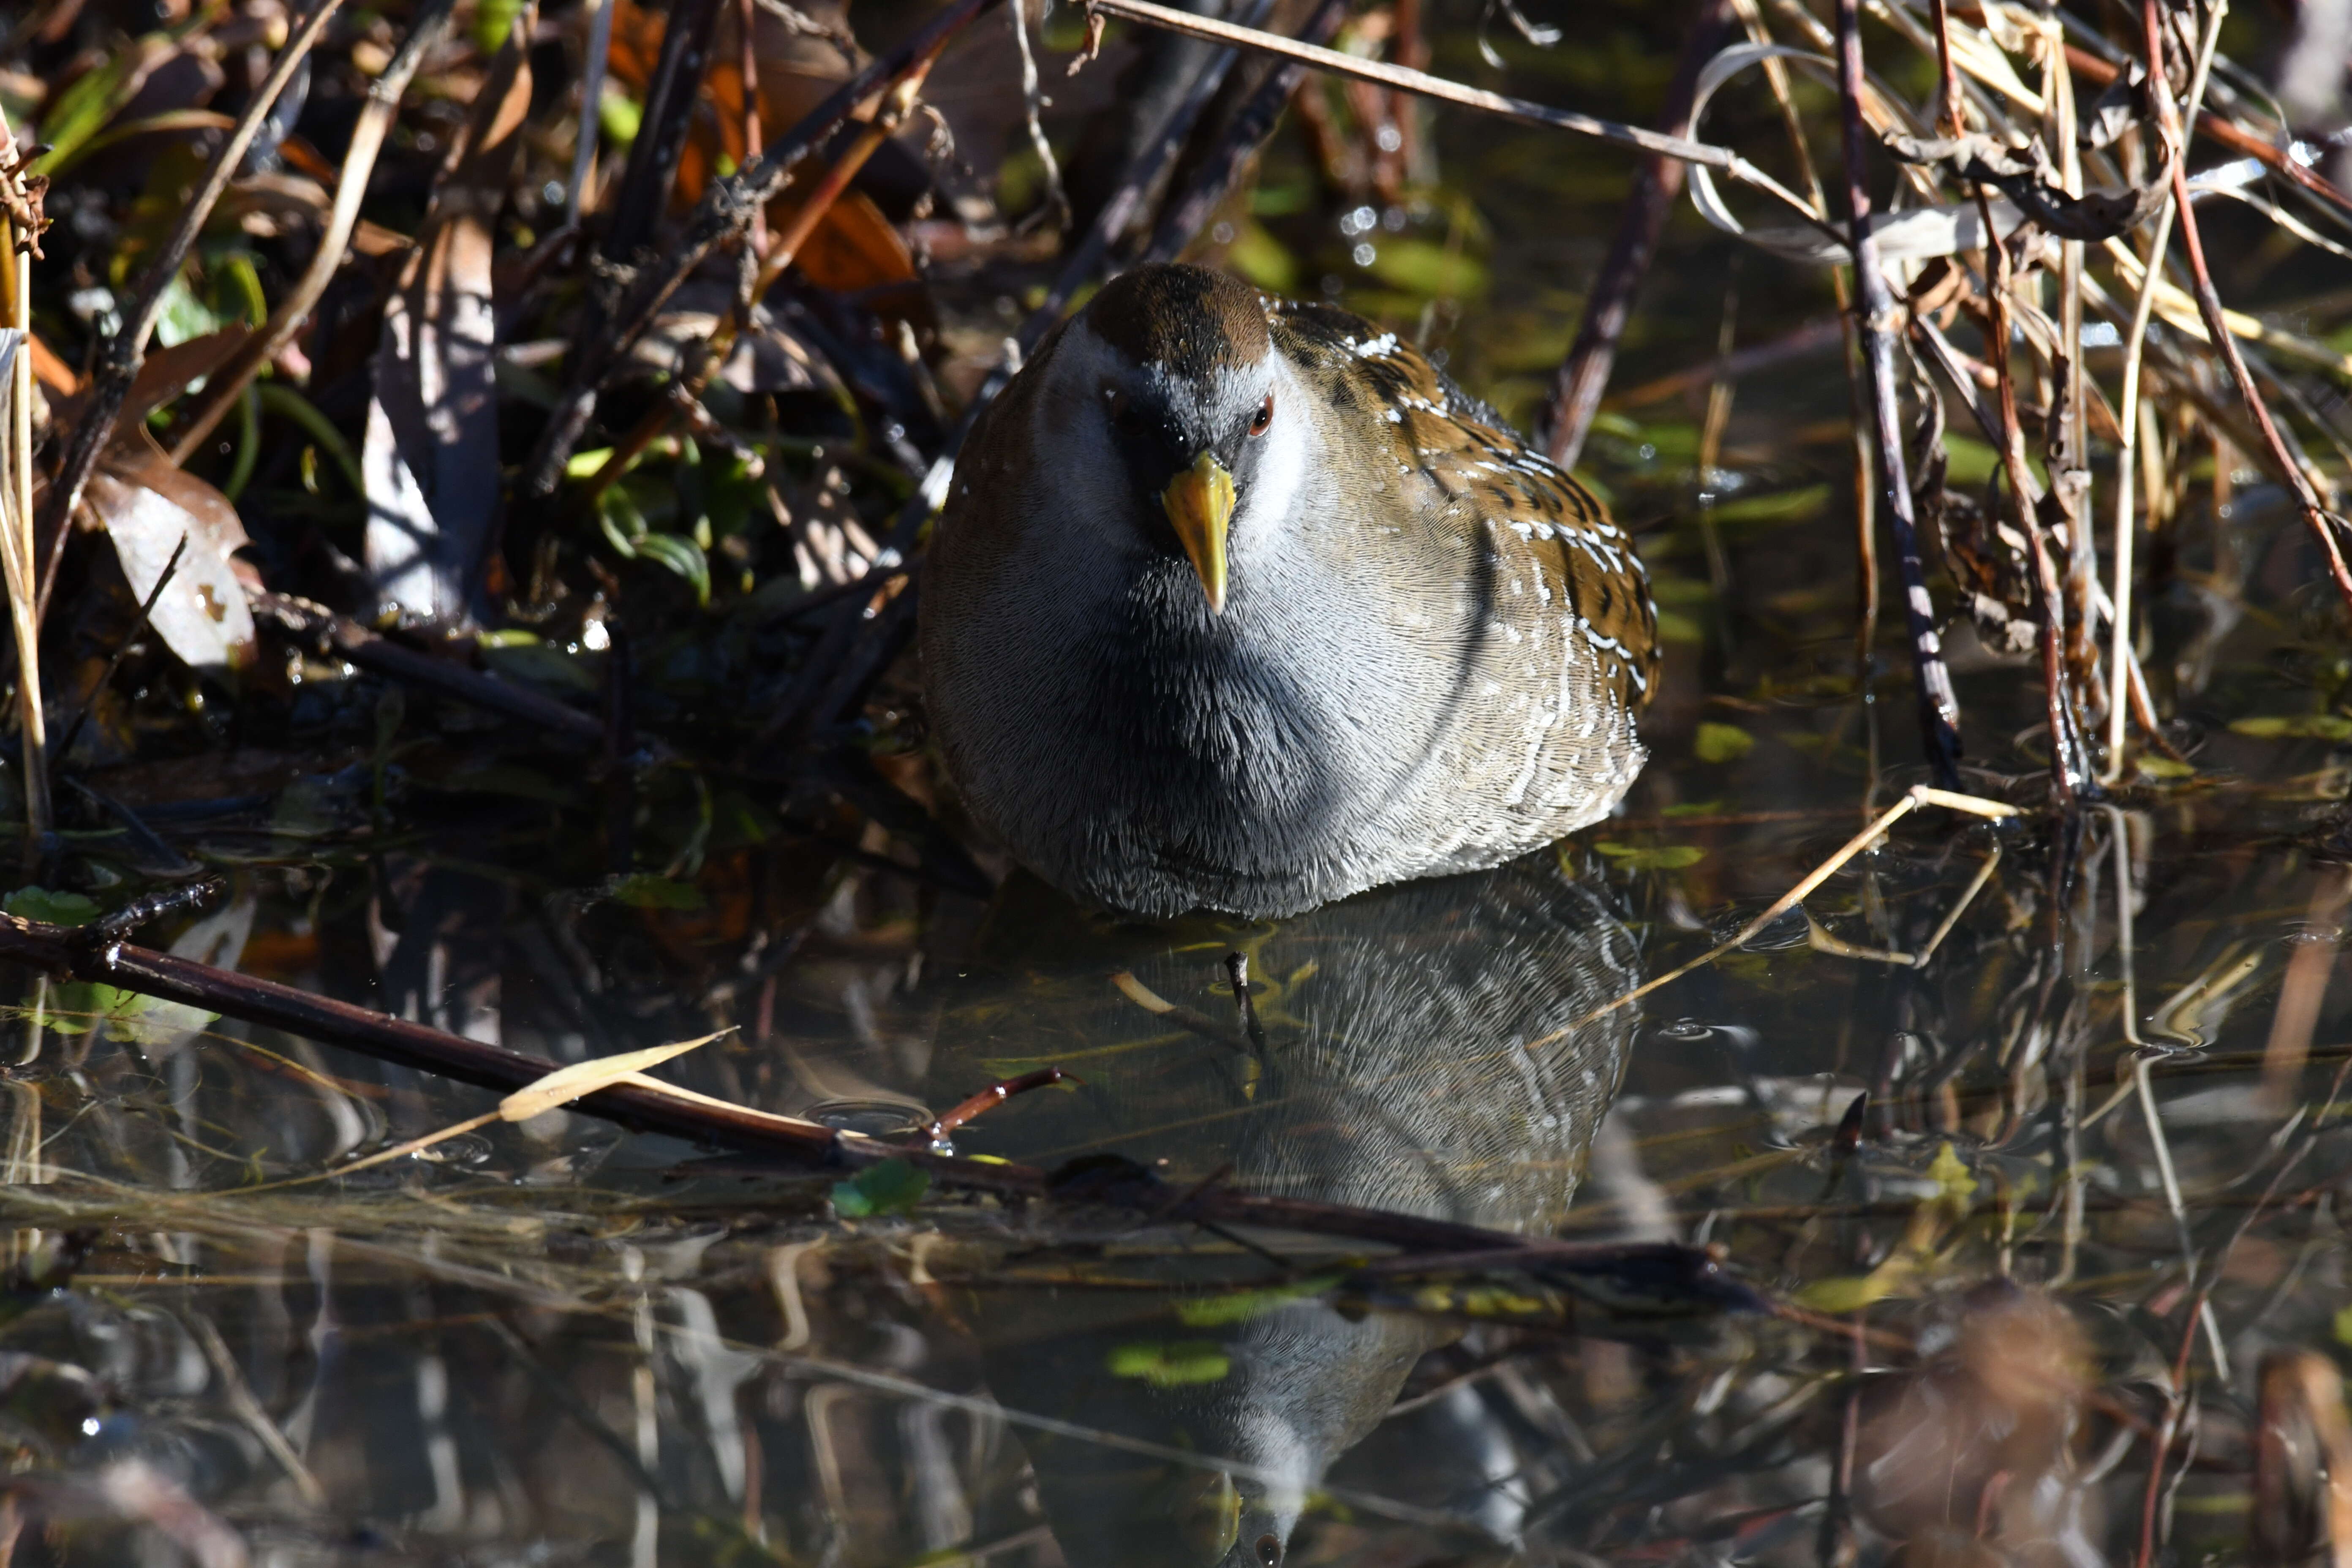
[
  {"x": 16, "y": 554},
  {"x": 2127, "y": 420}
]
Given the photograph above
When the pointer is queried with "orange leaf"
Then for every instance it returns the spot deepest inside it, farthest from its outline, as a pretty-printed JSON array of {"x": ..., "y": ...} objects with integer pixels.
[{"x": 855, "y": 247}]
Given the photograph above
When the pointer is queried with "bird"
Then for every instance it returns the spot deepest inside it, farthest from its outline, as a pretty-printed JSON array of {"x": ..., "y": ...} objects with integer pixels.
[{"x": 1240, "y": 604}]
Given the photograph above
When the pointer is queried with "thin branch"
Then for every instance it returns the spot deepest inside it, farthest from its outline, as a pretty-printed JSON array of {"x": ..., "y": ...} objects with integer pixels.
[
  {"x": 2128, "y": 422},
  {"x": 1244, "y": 137},
  {"x": 2208, "y": 306},
  {"x": 1691, "y": 1274},
  {"x": 2245, "y": 144},
  {"x": 383, "y": 656}
]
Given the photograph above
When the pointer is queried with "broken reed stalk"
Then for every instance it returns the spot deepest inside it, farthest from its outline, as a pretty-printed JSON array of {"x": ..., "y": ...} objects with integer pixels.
[
  {"x": 17, "y": 552},
  {"x": 1913, "y": 799},
  {"x": 93, "y": 954},
  {"x": 226, "y": 384},
  {"x": 2025, "y": 496},
  {"x": 2208, "y": 306},
  {"x": 2067, "y": 446},
  {"x": 1583, "y": 375},
  {"x": 1382, "y": 74},
  {"x": 1876, "y": 322},
  {"x": 725, "y": 213},
  {"x": 125, "y": 349}
]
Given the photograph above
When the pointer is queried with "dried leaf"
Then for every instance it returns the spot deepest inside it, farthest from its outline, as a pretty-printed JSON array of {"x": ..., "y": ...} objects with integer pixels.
[
  {"x": 147, "y": 506},
  {"x": 431, "y": 458},
  {"x": 565, "y": 1084},
  {"x": 853, "y": 248}
]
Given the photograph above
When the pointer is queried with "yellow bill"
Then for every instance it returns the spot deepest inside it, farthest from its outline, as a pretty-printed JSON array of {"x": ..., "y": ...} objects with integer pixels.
[{"x": 1199, "y": 503}]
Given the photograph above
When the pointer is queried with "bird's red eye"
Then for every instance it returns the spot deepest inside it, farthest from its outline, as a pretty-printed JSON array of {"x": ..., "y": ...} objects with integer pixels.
[{"x": 1264, "y": 417}]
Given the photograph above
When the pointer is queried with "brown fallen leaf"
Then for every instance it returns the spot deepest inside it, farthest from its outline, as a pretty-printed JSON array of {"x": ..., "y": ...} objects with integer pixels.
[
  {"x": 146, "y": 505},
  {"x": 431, "y": 454}
]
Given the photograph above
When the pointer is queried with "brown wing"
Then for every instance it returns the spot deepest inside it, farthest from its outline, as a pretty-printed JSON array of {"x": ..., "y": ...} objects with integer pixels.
[{"x": 1580, "y": 556}]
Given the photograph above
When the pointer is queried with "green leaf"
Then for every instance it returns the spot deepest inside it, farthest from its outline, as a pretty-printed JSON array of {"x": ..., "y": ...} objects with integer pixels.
[
  {"x": 2156, "y": 767},
  {"x": 84, "y": 107},
  {"x": 1673, "y": 626},
  {"x": 1424, "y": 268},
  {"x": 894, "y": 1186},
  {"x": 55, "y": 909},
  {"x": 2343, "y": 1326},
  {"x": 492, "y": 19},
  {"x": 682, "y": 556},
  {"x": 1845, "y": 1292},
  {"x": 1256, "y": 255},
  {"x": 1171, "y": 1364},
  {"x": 648, "y": 890},
  {"x": 1209, "y": 1312},
  {"x": 2295, "y": 726},
  {"x": 1659, "y": 858},
  {"x": 618, "y": 116},
  {"x": 1788, "y": 506},
  {"x": 1722, "y": 743},
  {"x": 1950, "y": 1174},
  {"x": 185, "y": 317}
]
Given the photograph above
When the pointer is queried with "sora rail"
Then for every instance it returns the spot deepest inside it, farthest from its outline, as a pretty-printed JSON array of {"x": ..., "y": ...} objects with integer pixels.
[{"x": 1242, "y": 605}]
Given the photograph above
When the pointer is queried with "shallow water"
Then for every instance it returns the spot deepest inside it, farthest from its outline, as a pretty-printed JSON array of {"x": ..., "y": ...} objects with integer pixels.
[{"x": 552, "y": 1343}]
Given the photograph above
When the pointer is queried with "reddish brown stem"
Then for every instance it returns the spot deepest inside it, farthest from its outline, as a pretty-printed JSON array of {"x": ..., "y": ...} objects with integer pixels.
[
  {"x": 2208, "y": 306},
  {"x": 994, "y": 1095},
  {"x": 2243, "y": 142}
]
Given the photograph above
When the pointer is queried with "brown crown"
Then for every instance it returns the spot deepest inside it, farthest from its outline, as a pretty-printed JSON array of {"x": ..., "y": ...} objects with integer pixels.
[{"x": 1192, "y": 320}]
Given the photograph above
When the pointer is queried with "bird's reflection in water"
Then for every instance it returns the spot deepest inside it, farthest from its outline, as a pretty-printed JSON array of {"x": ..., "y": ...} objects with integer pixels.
[{"x": 1389, "y": 1068}]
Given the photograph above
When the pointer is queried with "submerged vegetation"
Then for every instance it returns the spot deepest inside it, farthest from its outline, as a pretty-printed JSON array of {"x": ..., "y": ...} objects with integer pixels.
[{"x": 463, "y": 485}]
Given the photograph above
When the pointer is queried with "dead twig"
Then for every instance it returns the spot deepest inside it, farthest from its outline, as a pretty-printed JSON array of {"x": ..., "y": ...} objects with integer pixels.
[
  {"x": 390, "y": 660},
  {"x": 1183, "y": 220}
]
